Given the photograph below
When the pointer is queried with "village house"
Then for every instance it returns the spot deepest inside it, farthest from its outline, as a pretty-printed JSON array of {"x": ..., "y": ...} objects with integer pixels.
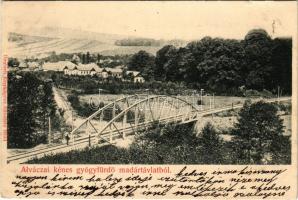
[
  {"x": 57, "y": 66},
  {"x": 70, "y": 68},
  {"x": 138, "y": 79},
  {"x": 136, "y": 76},
  {"x": 107, "y": 60},
  {"x": 90, "y": 69},
  {"x": 26, "y": 66},
  {"x": 34, "y": 66},
  {"x": 104, "y": 74},
  {"x": 23, "y": 64},
  {"x": 115, "y": 72},
  {"x": 132, "y": 73}
]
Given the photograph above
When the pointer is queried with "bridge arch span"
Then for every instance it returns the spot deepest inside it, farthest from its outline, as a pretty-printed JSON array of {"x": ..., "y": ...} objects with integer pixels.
[
  {"x": 160, "y": 108},
  {"x": 129, "y": 114}
]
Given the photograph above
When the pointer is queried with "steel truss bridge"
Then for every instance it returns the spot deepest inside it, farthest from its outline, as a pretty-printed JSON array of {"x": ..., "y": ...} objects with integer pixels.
[{"x": 127, "y": 116}]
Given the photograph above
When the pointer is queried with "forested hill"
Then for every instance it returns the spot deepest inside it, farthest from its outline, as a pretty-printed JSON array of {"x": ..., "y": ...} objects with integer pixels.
[{"x": 223, "y": 65}]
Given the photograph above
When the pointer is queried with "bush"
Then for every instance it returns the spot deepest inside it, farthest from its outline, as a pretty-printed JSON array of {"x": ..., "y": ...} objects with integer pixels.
[
  {"x": 251, "y": 93},
  {"x": 286, "y": 108},
  {"x": 266, "y": 94},
  {"x": 254, "y": 93}
]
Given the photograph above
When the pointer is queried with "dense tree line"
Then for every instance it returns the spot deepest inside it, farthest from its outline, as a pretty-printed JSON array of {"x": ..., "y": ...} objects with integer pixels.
[
  {"x": 148, "y": 42},
  {"x": 30, "y": 104},
  {"x": 223, "y": 65},
  {"x": 138, "y": 42},
  {"x": 257, "y": 139}
]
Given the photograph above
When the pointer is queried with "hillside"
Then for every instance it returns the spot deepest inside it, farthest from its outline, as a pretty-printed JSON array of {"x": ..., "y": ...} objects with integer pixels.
[
  {"x": 63, "y": 40},
  {"x": 26, "y": 46}
]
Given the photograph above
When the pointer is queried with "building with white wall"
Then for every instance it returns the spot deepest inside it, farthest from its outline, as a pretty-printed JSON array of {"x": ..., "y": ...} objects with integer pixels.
[{"x": 90, "y": 69}]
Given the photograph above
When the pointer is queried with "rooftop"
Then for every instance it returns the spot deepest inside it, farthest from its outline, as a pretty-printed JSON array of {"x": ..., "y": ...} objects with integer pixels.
[{"x": 57, "y": 66}]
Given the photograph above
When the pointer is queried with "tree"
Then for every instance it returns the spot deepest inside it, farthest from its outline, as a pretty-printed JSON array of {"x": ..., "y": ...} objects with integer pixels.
[
  {"x": 166, "y": 67},
  {"x": 47, "y": 105},
  {"x": 84, "y": 59},
  {"x": 53, "y": 57},
  {"x": 192, "y": 56},
  {"x": 220, "y": 63},
  {"x": 14, "y": 108},
  {"x": 21, "y": 123},
  {"x": 98, "y": 58},
  {"x": 282, "y": 64},
  {"x": 258, "y": 56},
  {"x": 13, "y": 62},
  {"x": 281, "y": 150},
  {"x": 88, "y": 58},
  {"x": 31, "y": 102},
  {"x": 76, "y": 59},
  {"x": 143, "y": 62},
  {"x": 258, "y": 129}
]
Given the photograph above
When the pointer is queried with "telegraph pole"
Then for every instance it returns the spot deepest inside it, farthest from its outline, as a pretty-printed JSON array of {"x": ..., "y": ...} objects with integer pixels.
[
  {"x": 72, "y": 127},
  {"x": 194, "y": 97},
  {"x": 99, "y": 90},
  {"x": 213, "y": 100},
  {"x": 49, "y": 135},
  {"x": 202, "y": 90},
  {"x": 273, "y": 28},
  {"x": 147, "y": 92},
  {"x": 278, "y": 88}
]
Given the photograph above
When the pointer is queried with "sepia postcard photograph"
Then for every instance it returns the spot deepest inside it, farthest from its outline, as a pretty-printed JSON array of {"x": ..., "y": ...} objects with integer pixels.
[{"x": 149, "y": 99}]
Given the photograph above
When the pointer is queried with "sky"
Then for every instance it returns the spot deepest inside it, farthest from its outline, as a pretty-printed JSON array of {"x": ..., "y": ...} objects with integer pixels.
[{"x": 159, "y": 20}]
